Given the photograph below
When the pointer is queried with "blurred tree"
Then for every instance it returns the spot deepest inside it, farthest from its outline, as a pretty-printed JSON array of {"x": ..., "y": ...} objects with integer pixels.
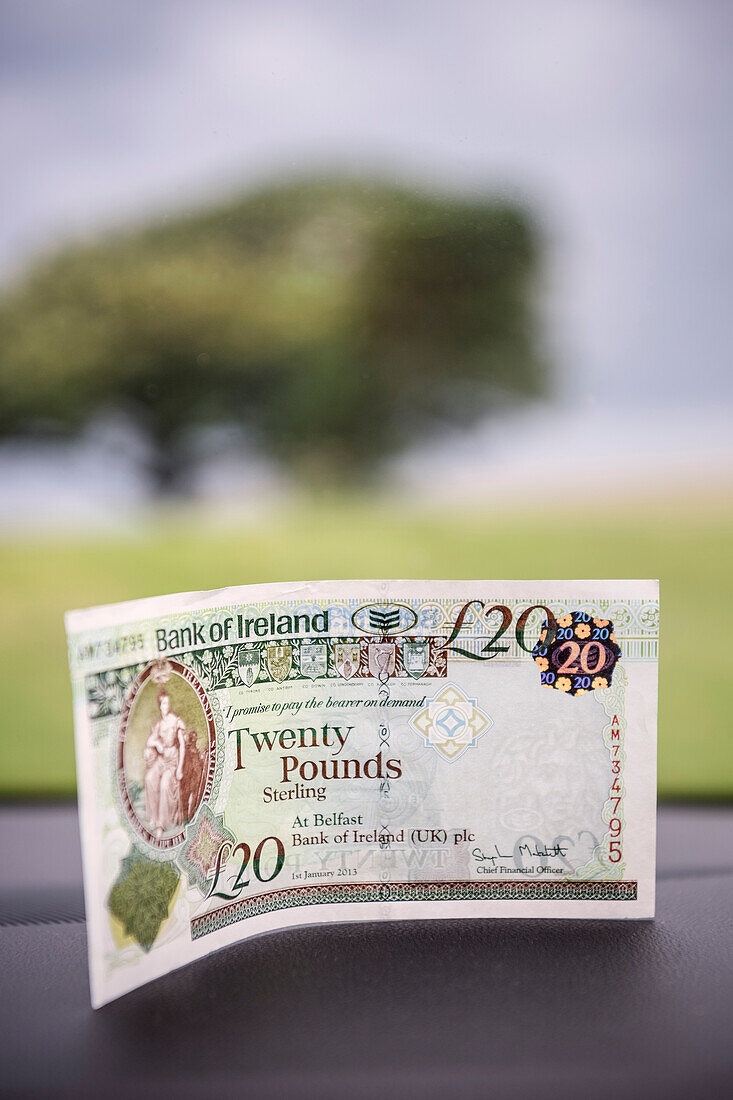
[{"x": 335, "y": 320}]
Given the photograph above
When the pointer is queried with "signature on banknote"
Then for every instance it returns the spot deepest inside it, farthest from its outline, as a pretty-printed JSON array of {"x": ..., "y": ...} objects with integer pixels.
[{"x": 536, "y": 851}]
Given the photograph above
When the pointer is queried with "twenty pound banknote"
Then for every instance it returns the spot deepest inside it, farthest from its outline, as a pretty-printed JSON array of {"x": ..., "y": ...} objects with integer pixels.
[{"x": 261, "y": 757}]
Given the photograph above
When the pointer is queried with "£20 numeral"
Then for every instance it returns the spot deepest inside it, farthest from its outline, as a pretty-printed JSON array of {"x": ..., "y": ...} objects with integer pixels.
[
  {"x": 492, "y": 647},
  {"x": 592, "y": 657},
  {"x": 238, "y": 881}
]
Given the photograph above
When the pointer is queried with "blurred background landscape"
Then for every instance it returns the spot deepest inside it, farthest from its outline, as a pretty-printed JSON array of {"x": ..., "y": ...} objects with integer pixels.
[{"x": 302, "y": 290}]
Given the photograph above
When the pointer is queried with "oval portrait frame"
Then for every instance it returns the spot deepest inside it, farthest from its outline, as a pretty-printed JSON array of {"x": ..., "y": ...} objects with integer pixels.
[{"x": 168, "y": 667}]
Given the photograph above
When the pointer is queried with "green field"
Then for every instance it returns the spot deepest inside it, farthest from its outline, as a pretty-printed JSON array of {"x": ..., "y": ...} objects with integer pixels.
[{"x": 686, "y": 543}]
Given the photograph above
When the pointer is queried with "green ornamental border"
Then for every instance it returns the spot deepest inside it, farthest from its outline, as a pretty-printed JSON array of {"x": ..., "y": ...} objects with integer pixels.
[{"x": 334, "y": 894}]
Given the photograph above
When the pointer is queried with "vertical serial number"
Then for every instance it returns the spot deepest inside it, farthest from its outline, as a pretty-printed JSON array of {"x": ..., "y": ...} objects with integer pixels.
[{"x": 615, "y": 824}]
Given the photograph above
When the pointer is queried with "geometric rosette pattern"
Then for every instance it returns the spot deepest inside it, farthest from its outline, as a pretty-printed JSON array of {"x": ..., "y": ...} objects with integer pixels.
[
  {"x": 141, "y": 895},
  {"x": 203, "y": 841}
]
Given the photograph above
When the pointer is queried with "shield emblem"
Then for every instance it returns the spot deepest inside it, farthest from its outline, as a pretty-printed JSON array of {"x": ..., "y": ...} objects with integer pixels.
[
  {"x": 415, "y": 656},
  {"x": 279, "y": 660},
  {"x": 347, "y": 658},
  {"x": 382, "y": 659},
  {"x": 249, "y": 665},
  {"x": 313, "y": 660}
]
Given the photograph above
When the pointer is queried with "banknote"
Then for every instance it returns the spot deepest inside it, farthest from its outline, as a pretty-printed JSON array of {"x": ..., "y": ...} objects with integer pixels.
[{"x": 272, "y": 755}]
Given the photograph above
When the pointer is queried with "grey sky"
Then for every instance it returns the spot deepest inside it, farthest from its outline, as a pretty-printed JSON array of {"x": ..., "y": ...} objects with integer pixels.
[{"x": 612, "y": 118}]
